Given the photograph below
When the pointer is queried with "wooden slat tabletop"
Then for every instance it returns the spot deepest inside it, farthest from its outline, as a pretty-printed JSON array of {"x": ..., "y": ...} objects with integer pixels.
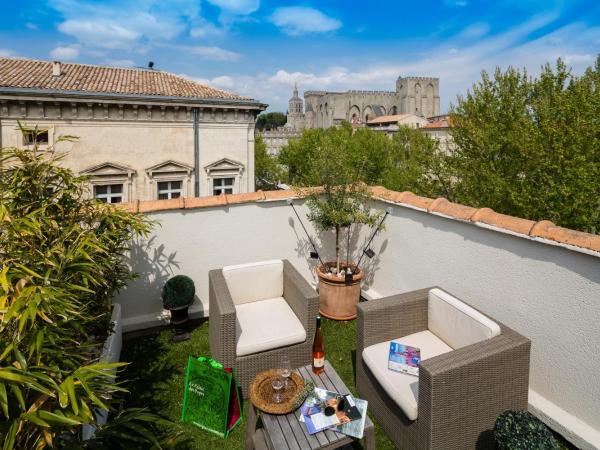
[{"x": 286, "y": 432}]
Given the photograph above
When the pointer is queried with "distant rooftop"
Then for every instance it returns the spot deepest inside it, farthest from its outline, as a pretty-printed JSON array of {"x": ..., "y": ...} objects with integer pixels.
[
  {"x": 57, "y": 76},
  {"x": 389, "y": 119}
]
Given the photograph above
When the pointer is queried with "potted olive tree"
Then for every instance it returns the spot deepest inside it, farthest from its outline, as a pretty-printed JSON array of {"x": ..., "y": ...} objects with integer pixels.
[
  {"x": 341, "y": 208},
  {"x": 177, "y": 296}
]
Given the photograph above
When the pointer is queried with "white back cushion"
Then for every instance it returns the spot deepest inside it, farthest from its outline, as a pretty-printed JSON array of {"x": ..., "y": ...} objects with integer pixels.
[
  {"x": 455, "y": 322},
  {"x": 254, "y": 281}
]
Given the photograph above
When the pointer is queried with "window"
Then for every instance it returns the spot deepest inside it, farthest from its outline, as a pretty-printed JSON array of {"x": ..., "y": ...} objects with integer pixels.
[
  {"x": 109, "y": 193},
  {"x": 169, "y": 189},
  {"x": 39, "y": 137},
  {"x": 223, "y": 186}
]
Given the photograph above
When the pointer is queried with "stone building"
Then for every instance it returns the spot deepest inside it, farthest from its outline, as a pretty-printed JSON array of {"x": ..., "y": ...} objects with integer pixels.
[
  {"x": 439, "y": 128},
  {"x": 413, "y": 95},
  {"x": 142, "y": 133}
]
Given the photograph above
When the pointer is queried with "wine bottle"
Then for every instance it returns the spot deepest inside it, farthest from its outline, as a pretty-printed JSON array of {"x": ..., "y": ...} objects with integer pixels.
[{"x": 318, "y": 350}]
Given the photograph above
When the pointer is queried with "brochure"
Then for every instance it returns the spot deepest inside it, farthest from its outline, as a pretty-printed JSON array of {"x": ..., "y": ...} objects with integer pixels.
[
  {"x": 326, "y": 409},
  {"x": 404, "y": 358}
]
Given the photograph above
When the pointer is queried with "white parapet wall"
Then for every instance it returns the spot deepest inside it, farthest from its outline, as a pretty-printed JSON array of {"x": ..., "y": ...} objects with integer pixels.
[{"x": 548, "y": 293}]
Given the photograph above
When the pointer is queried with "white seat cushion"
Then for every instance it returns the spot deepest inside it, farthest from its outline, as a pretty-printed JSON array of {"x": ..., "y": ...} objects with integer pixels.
[
  {"x": 455, "y": 322},
  {"x": 265, "y": 325},
  {"x": 403, "y": 388},
  {"x": 254, "y": 281}
]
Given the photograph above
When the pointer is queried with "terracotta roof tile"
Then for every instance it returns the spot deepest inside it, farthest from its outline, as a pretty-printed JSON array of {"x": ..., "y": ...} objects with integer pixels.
[
  {"x": 32, "y": 74},
  {"x": 547, "y": 230},
  {"x": 244, "y": 198},
  {"x": 490, "y": 217},
  {"x": 456, "y": 210}
]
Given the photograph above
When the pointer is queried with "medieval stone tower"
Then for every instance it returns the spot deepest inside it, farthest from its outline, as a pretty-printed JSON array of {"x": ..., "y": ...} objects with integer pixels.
[
  {"x": 419, "y": 95},
  {"x": 295, "y": 115}
]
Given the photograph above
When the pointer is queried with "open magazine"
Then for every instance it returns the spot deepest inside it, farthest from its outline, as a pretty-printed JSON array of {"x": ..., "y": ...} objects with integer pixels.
[{"x": 329, "y": 410}]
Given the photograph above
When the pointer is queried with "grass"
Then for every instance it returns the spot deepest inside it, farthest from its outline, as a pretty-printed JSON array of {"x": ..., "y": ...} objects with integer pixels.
[{"x": 156, "y": 378}]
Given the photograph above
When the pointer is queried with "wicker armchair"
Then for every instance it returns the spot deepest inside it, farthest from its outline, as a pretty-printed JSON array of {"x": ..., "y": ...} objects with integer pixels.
[
  {"x": 460, "y": 392},
  {"x": 225, "y": 321}
]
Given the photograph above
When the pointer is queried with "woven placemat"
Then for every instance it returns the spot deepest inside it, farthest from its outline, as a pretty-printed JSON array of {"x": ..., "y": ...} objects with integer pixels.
[{"x": 261, "y": 392}]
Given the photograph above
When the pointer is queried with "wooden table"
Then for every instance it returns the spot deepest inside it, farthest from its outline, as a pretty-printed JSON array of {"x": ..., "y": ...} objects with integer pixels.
[{"x": 283, "y": 432}]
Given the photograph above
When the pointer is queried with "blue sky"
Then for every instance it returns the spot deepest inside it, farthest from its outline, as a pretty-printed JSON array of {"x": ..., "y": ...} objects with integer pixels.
[{"x": 260, "y": 47}]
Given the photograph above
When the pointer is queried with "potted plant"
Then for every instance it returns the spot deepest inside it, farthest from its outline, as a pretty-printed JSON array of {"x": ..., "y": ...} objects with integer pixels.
[
  {"x": 177, "y": 296},
  {"x": 515, "y": 430},
  {"x": 340, "y": 208}
]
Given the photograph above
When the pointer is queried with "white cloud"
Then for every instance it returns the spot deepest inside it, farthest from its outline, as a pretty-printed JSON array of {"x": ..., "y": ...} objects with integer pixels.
[
  {"x": 458, "y": 65},
  {"x": 577, "y": 58},
  {"x": 96, "y": 33},
  {"x": 133, "y": 25},
  {"x": 298, "y": 20},
  {"x": 236, "y": 7},
  {"x": 206, "y": 29},
  {"x": 5, "y": 53},
  {"x": 214, "y": 53},
  {"x": 65, "y": 53},
  {"x": 120, "y": 62},
  {"x": 474, "y": 31},
  {"x": 31, "y": 26}
]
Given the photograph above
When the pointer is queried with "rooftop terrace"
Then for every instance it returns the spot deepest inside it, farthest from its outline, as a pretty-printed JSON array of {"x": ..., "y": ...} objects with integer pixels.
[{"x": 537, "y": 278}]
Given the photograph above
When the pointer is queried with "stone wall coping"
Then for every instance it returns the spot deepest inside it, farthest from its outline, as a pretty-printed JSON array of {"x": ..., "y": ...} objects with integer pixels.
[{"x": 543, "y": 231}]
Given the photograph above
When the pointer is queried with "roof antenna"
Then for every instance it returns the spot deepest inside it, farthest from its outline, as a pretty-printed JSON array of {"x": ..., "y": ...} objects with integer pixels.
[{"x": 150, "y": 65}]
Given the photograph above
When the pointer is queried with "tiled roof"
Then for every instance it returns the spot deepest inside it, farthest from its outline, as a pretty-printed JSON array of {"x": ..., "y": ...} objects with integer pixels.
[
  {"x": 437, "y": 124},
  {"x": 389, "y": 119},
  {"x": 32, "y": 74},
  {"x": 543, "y": 231}
]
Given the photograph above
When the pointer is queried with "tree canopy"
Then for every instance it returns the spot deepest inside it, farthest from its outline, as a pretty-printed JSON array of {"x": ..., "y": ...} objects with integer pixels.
[
  {"x": 270, "y": 120},
  {"x": 530, "y": 147}
]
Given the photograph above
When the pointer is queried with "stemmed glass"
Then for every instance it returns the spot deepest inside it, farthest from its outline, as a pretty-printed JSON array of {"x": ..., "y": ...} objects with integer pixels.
[
  {"x": 286, "y": 371},
  {"x": 277, "y": 384}
]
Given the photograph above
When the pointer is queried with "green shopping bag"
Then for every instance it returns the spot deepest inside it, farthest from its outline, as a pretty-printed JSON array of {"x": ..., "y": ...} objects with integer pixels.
[{"x": 210, "y": 399}]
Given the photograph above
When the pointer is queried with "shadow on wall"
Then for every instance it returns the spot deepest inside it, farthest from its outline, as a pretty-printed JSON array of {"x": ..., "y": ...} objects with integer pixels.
[
  {"x": 325, "y": 244},
  {"x": 153, "y": 267}
]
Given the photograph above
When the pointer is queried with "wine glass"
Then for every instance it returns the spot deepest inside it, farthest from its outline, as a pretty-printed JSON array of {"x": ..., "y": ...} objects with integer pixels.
[
  {"x": 286, "y": 371},
  {"x": 277, "y": 384}
]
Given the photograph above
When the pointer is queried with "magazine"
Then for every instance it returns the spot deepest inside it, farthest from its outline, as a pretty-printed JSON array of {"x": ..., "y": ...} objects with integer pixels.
[
  {"x": 404, "y": 358},
  {"x": 355, "y": 428},
  {"x": 326, "y": 409}
]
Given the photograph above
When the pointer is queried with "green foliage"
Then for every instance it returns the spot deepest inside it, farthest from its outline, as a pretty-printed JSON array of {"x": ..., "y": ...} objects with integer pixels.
[
  {"x": 521, "y": 430},
  {"x": 267, "y": 171},
  {"x": 410, "y": 160},
  {"x": 333, "y": 159},
  {"x": 178, "y": 291},
  {"x": 268, "y": 121},
  {"x": 61, "y": 258},
  {"x": 530, "y": 146}
]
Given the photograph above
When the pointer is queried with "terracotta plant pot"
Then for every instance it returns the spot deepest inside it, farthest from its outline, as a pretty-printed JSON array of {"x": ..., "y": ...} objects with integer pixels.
[{"x": 338, "y": 298}]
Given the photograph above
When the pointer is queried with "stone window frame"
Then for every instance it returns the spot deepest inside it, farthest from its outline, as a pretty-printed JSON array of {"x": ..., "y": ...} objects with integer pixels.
[
  {"x": 224, "y": 168},
  {"x": 170, "y": 170},
  {"x": 98, "y": 175}
]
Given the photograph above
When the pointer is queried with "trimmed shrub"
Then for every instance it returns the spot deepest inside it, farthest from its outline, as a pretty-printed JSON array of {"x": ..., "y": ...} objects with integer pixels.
[
  {"x": 521, "y": 430},
  {"x": 178, "y": 291}
]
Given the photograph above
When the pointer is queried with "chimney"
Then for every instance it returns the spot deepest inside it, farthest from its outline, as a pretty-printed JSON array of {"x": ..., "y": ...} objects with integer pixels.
[
  {"x": 56, "y": 68},
  {"x": 150, "y": 65}
]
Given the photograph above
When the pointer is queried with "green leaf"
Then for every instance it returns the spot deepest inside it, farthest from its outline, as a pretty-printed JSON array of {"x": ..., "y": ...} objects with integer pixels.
[
  {"x": 57, "y": 418},
  {"x": 4, "y": 400},
  {"x": 16, "y": 390},
  {"x": 34, "y": 418}
]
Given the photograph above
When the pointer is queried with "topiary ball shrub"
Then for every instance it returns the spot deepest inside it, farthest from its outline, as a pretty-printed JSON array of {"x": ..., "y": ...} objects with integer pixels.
[
  {"x": 178, "y": 291},
  {"x": 521, "y": 430}
]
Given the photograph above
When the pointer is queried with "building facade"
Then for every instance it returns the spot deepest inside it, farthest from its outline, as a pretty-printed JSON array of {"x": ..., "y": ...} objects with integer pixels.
[
  {"x": 141, "y": 133},
  {"x": 413, "y": 95}
]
